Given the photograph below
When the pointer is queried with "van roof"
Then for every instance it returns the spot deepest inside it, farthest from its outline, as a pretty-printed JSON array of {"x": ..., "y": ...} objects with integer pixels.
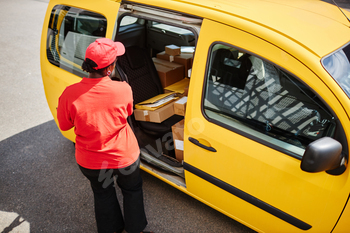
[{"x": 318, "y": 26}]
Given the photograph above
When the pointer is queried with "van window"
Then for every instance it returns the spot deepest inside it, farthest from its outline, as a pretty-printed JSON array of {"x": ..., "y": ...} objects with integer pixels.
[
  {"x": 253, "y": 97},
  {"x": 70, "y": 32},
  {"x": 147, "y": 33},
  {"x": 128, "y": 20},
  {"x": 337, "y": 65}
]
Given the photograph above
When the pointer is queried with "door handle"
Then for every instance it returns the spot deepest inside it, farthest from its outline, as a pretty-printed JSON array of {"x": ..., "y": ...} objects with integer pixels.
[{"x": 196, "y": 142}]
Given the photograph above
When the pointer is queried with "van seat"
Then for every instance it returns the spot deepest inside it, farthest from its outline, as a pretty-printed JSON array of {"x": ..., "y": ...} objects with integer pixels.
[
  {"x": 143, "y": 78},
  {"x": 229, "y": 69},
  {"x": 141, "y": 72},
  {"x": 75, "y": 45},
  {"x": 83, "y": 42}
]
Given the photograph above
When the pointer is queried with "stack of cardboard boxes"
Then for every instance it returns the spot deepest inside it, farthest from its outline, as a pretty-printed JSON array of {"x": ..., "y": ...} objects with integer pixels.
[
  {"x": 168, "y": 72},
  {"x": 173, "y": 68},
  {"x": 163, "y": 106},
  {"x": 178, "y": 137},
  {"x": 178, "y": 55}
]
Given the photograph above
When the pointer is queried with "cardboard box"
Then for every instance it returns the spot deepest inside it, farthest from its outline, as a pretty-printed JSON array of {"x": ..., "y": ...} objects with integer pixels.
[
  {"x": 172, "y": 50},
  {"x": 186, "y": 91},
  {"x": 168, "y": 72},
  {"x": 164, "y": 56},
  {"x": 178, "y": 87},
  {"x": 157, "y": 101},
  {"x": 185, "y": 60},
  {"x": 180, "y": 106},
  {"x": 178, "y": 137},
  {"x": 157, "y": 116},
  {"x": 182, "y": 59}
]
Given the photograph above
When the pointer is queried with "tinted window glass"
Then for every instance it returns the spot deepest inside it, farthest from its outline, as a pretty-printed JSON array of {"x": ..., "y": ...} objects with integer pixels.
[
  {"x": 257, "y": 98},
  {"x": 128, "y": 20},
  {"x": 71, "y": 30},
  {"x": 338, "y": 65}
]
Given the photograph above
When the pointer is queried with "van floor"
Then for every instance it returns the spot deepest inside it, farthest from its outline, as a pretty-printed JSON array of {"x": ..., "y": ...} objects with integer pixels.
[
  {"x": 161, "y": 145},
  {"x": 161, "y": 161}
]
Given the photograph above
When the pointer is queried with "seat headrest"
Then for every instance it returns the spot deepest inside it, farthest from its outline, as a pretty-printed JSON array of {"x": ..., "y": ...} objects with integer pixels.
[{"x": 135, "y": 54}]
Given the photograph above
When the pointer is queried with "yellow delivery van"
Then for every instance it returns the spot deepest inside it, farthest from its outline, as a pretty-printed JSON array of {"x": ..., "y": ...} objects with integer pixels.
[{"x": 244, "y": 105}]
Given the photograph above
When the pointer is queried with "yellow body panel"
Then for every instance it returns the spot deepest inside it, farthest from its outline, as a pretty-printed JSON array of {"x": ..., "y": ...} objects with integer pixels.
[
  {"x": 343, "y": 224},
  {"x": 275, "y": 177},
  {"x": 269, "y": 175},
  {"x": 301, "y": 21}
]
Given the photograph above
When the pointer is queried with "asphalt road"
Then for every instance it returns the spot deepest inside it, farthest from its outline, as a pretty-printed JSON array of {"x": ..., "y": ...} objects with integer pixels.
[{"x": 41, "y": 187}]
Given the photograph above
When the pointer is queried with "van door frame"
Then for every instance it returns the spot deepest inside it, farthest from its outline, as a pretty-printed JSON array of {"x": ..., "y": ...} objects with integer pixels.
[{"x": 55, "y": 79}]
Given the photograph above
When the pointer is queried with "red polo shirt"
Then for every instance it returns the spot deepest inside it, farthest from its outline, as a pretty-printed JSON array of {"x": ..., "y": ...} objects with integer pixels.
[{"x": 98, "y": 109}]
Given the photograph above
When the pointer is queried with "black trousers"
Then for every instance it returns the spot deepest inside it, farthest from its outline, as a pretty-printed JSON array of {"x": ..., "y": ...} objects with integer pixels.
[{"x": 109, "y": 217}]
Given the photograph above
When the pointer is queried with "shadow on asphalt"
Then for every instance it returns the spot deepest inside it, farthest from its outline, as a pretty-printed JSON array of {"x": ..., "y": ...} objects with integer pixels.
[{"x": 40, "y": 181}]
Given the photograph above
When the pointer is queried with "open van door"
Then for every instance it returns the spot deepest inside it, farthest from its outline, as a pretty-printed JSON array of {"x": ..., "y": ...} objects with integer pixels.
[
  {"x": 237, "y": 144},
  {"x": 69, "y": 27}
]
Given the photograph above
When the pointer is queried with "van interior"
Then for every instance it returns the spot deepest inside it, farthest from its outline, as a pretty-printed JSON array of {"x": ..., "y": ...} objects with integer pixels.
[{"x": 146, "y": 37}]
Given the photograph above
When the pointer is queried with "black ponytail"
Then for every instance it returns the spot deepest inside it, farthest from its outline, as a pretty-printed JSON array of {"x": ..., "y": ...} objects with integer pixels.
[{"x": 88, "y": 66}]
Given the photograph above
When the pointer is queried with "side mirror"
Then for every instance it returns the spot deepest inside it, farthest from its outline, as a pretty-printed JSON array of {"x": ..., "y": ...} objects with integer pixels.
[{"x": 322, "y": 155}]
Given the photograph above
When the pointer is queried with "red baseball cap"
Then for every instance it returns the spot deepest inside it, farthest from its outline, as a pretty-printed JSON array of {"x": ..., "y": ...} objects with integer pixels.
[{"x": 103, "y": 52}]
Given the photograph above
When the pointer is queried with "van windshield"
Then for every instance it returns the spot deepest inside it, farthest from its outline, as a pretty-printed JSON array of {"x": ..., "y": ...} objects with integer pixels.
[{"x": 337, "y": 65}]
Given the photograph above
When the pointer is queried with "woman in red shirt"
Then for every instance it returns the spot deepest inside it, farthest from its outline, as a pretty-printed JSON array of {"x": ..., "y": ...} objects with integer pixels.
[{"x": 106, "y": 146}]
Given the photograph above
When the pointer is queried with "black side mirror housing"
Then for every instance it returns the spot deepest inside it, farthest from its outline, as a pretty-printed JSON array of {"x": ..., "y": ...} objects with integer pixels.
[{"x": 323, "y": 154}]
